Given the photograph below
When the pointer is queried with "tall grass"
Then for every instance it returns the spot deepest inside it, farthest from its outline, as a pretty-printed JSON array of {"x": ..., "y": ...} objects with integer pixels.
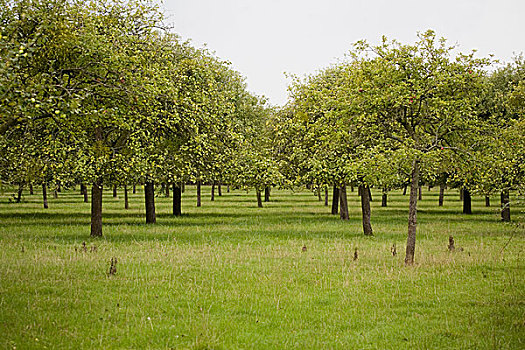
[{"x": 230, "y": 275}]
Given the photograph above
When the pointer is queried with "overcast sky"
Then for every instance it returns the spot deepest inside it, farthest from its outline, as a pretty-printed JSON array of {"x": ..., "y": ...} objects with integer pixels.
[{"x": 266, "y": 38}]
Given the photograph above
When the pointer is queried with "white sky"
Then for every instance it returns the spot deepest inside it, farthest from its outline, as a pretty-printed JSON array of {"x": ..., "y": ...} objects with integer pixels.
[{"x": 265, "y": 38}]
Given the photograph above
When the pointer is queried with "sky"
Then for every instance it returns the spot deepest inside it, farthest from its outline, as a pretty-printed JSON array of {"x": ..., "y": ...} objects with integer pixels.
[{"x": 264, "y": 39}]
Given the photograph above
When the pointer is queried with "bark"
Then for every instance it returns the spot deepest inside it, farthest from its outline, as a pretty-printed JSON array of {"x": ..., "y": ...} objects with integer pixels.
[
  {"x": 19, "y": 193},
  {"x": 177, "y": 200},
  {"x": 31, "y": 191},
  {"x": 259, "y": 198},
  {"x": 198, "y": 193},
  {"x": 326, "y": 196},
  {"x": 267, "y": 194},
  {"x": 114, "y": 191},
  {"x": 343, "y": 203},
  {"x": 420, "y": 197},
  {"x": 384, "y": 198},
  {"x": 369, "y": 194},
  {"x": 467, "y": 202},
  {"x": 441, "y": 194},
  {"x": 335, "y": 201},
  {"x": 365, "y": 210},
  {"x": 126, "y": 200},
  {"x": 96, "y": 209},
  {"x": 213, "y": 191},
  {"x": 219, "y": 189},
  {"x": 44, "y": 195},
  {"x": 412, "y": 215},
  {"x": 149, "y": 195},
  {"x": 505, "y": 206},
  {"x": 487, "y": 201}
]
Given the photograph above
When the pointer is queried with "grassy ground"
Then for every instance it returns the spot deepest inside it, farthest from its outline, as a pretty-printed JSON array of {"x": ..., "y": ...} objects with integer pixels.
[{"x": 229, "y": 275}]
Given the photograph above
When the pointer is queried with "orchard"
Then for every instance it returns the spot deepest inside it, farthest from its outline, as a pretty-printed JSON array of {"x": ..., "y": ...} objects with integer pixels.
[{"x": 102, "y": 95}]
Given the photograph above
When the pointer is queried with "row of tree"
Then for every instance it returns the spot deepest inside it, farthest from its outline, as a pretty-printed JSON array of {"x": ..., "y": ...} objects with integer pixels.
[{"x": 102, "y": 93}]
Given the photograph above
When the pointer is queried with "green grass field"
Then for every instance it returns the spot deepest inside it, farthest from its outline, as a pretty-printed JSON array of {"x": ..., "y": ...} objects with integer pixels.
[{"x": 229, "y": 275}]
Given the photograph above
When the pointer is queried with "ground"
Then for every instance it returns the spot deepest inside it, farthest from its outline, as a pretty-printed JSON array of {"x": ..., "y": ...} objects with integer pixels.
[{"x": 230, "y": 275}]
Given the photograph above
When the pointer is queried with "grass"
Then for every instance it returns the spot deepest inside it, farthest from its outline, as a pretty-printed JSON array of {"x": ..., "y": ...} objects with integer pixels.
[{"x": 229, "y": 275}]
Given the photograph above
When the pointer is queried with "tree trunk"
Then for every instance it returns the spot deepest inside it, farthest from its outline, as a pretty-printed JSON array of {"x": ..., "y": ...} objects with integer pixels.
[
  {"x": 369, "y": 194},
  {"x": 228, "y": 188},
  {"x": 177, "y": 200},
  {"x": 126, "y": 200},
  {"x": 267, "y": 194},
  {"x": 326, "y": 196},
  {"x": 213, "y": 191},
  {"x": 420, "y": 197},
  {"x": 44, "y": 195},
  {"x": 149, "y": 195},
  {"x": 487, "y": 201},
  {"x": 96, "y": 209},
  {"x": 183, "y": 187},
  {"x": 19, "y": 193},
  {"x": 404, "y": 190},
  {"x": 319, "y": 197},
  {"x": 365, "y": 209},
  {"x": 467, "y": 202},
  {"x": 352, "y": 188},
  {"x": 412, "y": 214},
  {"x": 167, "y": 189},
  {"x": 461, "y": 194},
  {"x": 134, "y": 189},
  {"x": 441, "y": 193},
  {"x": 219, "y": 189},
  {"x": 505, "y": 206},
  {"x": 114, "y": 191},
  {"x": 384, "y": 198},
  {"x": 335, "y": 201},
  {"x": 31, "y": 192},
  {"x": 343, "y": 203},
  {"x": 84, "y": 192},
  {"x": 55, "y": 193},
  {"x": 59, "y": 187},
  {"x": 198, "y": 193},
  {"x": 259, "y": 198}
]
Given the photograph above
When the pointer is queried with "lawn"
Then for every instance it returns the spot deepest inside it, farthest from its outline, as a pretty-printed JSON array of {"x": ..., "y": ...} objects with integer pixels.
[{"x": 230, "y": 275}]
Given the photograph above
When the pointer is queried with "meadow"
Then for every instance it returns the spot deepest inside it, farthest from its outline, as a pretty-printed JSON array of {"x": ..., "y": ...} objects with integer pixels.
[{"x": 229, "y": 275}]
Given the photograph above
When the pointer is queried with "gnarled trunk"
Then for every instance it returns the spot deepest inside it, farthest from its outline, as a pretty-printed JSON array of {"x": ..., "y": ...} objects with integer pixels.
[
  {"x": 177, "y": 200},
  {"x": 412, "y": 214},
  {"x": 343, "y": 203},
  {"x": 96, "y": 209},
  {"x": 365, "y": 209},
  {"x": 335, "y": 200}
]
